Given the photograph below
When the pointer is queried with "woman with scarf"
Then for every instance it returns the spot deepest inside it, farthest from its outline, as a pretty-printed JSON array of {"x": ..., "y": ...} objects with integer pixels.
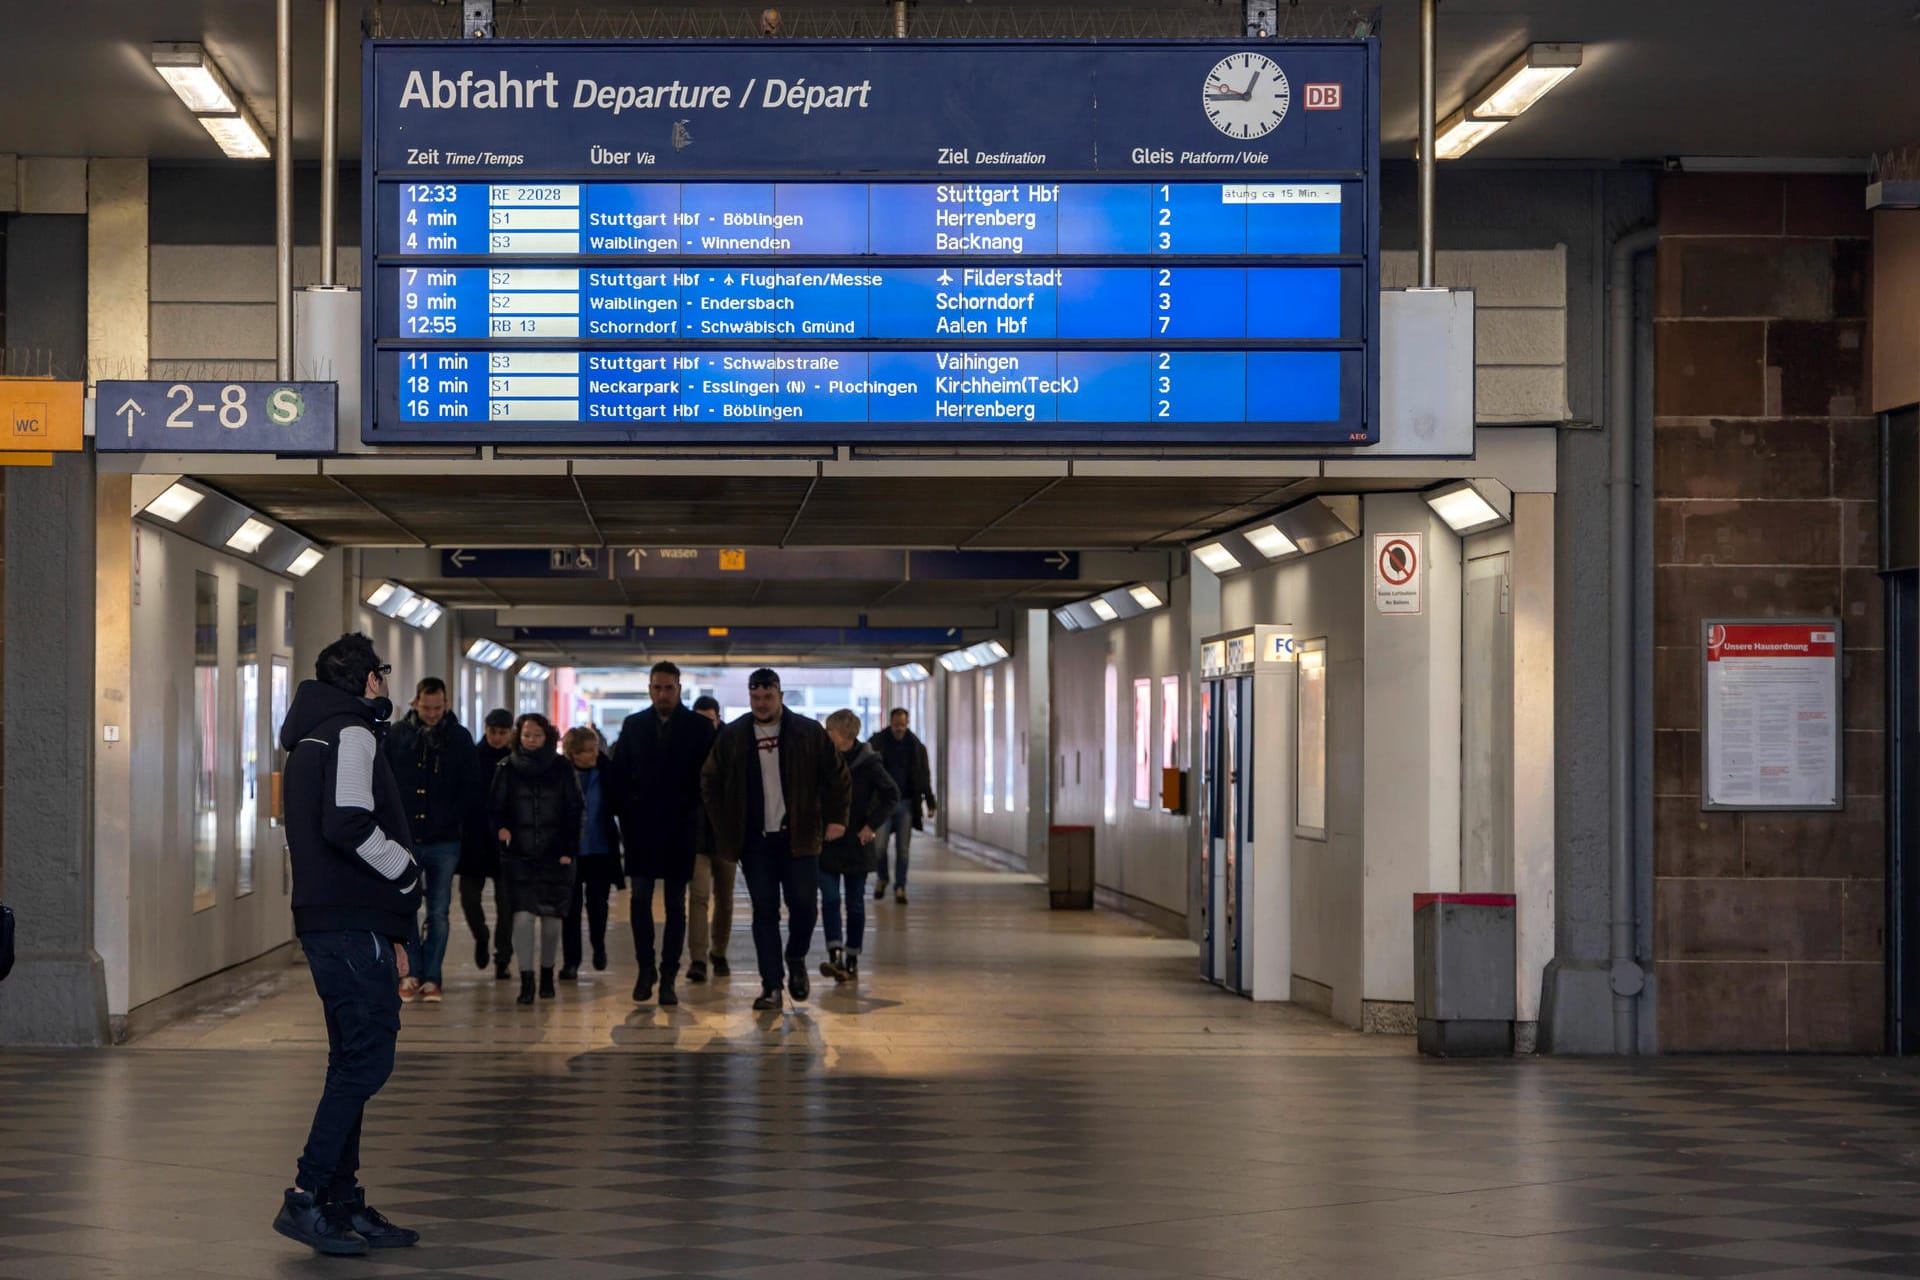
[{"x": 536, "y": 809}]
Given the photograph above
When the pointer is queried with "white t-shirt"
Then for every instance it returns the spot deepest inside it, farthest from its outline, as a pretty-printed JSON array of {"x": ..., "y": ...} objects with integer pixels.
[{"x": 766, "y": 737}]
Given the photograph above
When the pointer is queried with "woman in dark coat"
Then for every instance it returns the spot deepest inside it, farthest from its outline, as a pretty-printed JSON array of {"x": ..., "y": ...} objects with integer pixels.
[
  {"x": 536, "y": 809},
  {"x": 847, "y": 862},
  {"x": 599, "y": 862}
]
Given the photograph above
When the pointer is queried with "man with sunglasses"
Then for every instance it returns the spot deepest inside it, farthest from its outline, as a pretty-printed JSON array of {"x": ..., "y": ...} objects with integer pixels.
[
  {"x": 356, "y": 892},
  {"x": 775, "y": 790}
]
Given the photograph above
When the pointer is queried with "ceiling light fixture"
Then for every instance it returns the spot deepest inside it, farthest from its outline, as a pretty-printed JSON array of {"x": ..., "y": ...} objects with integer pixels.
[
  {"x": 534, "y": 671},
  {"x": 428, "y": 616},
  {"x": 378, "y": 597},
  {"x": 198, "y": 82},
  {"x": 174, "y": 504},
  {"x": 248, "y": 537},
  {"x": 410, "y": 606},
  {"x": 1146, "y": 597},
  {"x": 1523, "y": 82},
  {"x": 1102, "y": 610},
  {"x": 1216, "y": 557},
  {"x": 1067, "y": 618},
  {"x": 1270, "y": 542},
  {"x": 1526, "y": 80},
  {"x": 1470, "y": 506},
  {"x": 305, "y": 563}
]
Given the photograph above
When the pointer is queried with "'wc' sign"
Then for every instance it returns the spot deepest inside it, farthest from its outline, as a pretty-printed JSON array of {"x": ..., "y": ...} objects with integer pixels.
[{"x": 39, "y": 415}]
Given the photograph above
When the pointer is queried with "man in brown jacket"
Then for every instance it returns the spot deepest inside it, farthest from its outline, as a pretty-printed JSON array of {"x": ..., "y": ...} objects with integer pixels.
[{"x": 775, "y": 791}]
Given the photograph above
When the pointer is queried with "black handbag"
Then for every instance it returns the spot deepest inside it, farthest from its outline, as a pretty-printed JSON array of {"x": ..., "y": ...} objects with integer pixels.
[{"x": 6, "y": 940}]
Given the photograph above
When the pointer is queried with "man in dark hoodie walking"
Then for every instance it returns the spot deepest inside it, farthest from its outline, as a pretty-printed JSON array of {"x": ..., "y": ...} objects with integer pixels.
[
  {"x": 431, "y": 756},
  {"x": 356, "y": 892}
]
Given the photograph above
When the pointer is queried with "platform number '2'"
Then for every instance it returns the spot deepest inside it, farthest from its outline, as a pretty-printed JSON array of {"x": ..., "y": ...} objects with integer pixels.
[{"x": 233, "y": 406}]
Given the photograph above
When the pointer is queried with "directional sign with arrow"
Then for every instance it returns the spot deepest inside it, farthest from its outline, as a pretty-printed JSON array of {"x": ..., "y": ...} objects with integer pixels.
[
  {"x": 993, "y": 565},
  {"x": 216, "y": 417},
  {"x": 524, "y": 562}
]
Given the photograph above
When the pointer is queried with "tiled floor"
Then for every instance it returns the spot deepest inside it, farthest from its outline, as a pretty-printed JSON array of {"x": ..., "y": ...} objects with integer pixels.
[{"x": 1013, "y": 1094}]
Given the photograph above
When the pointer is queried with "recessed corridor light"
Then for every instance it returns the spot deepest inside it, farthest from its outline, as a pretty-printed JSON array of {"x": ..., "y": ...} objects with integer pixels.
[
  {"x": 173, "y": 505},
  {"x": 248, "y": 537}
]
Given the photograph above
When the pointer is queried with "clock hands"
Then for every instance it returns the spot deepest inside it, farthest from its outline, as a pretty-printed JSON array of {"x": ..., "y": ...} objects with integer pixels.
[{"x": 1221, "y": 93}]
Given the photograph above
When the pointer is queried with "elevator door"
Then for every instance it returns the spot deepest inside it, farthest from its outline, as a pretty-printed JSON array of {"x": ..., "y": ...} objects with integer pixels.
[{"x": 1486, "y": 727}]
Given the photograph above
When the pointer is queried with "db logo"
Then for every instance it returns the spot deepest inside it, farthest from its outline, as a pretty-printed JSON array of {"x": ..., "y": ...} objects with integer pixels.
[{"x": 1323, "y": 97}]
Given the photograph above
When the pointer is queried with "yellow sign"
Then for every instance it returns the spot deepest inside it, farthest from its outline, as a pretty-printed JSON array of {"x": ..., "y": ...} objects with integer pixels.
[
  {"x": 733, "y": 560},
  {"x": 39, "y": 415},
  {"x": 26, "y": 459}
]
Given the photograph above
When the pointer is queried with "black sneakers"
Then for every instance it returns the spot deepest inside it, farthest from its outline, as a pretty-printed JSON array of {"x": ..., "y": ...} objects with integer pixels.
[
  {"x": 797, "y": 985},
  {"x": 851, "y": 963},
  {"x": 304, "y": 1219},
  {"x": 697, "y": 971},
  {"x": 721, "y": 969},
  {"x": 370, "y": 1224},
  {"x": 769, "y": 998}
]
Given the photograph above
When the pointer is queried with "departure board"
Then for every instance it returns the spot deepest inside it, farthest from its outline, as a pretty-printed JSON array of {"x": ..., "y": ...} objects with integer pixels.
[{"x": 730, "y": 243}]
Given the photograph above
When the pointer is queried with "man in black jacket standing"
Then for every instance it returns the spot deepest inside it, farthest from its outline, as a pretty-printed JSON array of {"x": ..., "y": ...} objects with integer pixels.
[
  {"x": 776, "y": 790},
  {"x": 432, "y": 760},
  {"x": 356, "y": 891},
  {"x": 906, "y": 759},
  {"x": 658, "y": 757}
]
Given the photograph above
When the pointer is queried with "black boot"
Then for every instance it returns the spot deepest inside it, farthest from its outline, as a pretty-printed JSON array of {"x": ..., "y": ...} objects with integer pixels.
[
  {"x": 305, "y": 1219},
  {"x": 526, "y": 989},
  {"x": 769, "y": 998},
  {"x": 852, "y": 965},
  {"x": 721, "y": 969},
  {"x": 835, "y": 965},
  {"x": 798, "y": 984},
  {"x": 643, "y": 985},
  {"x": 600, "y": 955},
  {"x": 570, "y": 973},
  {"x": 668, "y": 996},
  {"x": 546, "y": 982},
  {"x": 502, "y": 970},
  {"x": 370, "y": 1224},
  {"x": 481, "y": 950},
  {"x": 697, "y": 971}
]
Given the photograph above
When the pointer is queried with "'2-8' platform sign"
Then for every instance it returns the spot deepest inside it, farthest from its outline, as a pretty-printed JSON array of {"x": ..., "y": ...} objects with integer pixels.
[{"x": 215, "y": 417}]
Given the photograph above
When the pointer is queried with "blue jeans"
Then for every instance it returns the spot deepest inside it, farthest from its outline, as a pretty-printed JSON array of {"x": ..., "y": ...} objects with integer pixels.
[
  {"x": 856, "y": 899},
  {"x": 358, "y": 984},
  {"x": 898, "y": 826},
  {"x": 773, "y": 873},
  {"x": 438, "y": 863}
]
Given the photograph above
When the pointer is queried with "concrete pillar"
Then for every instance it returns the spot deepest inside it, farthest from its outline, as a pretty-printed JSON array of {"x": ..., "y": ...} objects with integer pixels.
[
  {"x": 1411, "y": 841},
  {"x": 117, "y": 270},
  {"x": 57, "y": 994},
  {"x": 1031, "y": 657},
  {"x": 1533, "y": 736}
]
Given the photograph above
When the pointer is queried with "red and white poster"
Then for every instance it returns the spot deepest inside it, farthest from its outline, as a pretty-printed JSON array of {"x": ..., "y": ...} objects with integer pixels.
[{"x": 1772, "y": 738}]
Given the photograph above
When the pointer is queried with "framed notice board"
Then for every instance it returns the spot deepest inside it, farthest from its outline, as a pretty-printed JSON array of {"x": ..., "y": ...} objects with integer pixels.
[{"x": 1770, "y": 711}]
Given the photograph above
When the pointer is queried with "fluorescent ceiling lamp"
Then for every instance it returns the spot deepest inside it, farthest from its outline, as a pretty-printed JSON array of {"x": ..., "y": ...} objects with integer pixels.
[
  {"x": 908, "y": 673},
  {"x": 1526, "y": 80},
  {"x": 1102, "y": 610},
  {"x": 239, "y": 137},
  {"x": 379, "y": 596},
  {"x": 428, "y": 616},
  {"x": 1067, "y": 618},
  {"x": 1270, "y": 542},
  {"x": 410, "y": 606},
  {"x": 248, "y": 537},
  {"x": 986, "y": 653},
  {"x": 503, "y": 657},
  {"x": 958, "y": 660},
  {"x": 1216, "y": 557},
  {"x": 173, "y": 505},
  {"x": 305, "y": 563},
  {"x": 1145, "y": 597},
  {"x": 534, "y": 671},
  {"x": 481, "y": 651},
  {"x": 1458, "y": 135},
  {"x": 190, "y": 73},
  {"x": 1468, "y": 506}
]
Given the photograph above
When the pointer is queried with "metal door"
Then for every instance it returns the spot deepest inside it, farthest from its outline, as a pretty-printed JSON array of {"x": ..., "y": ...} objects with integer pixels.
[{"x": 1210, "y": 807}]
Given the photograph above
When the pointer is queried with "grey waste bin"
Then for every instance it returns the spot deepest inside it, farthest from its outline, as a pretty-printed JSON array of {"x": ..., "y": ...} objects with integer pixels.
[
  {"x": 1070, "y": 868},
  {"x": 1463, "y": 973}
]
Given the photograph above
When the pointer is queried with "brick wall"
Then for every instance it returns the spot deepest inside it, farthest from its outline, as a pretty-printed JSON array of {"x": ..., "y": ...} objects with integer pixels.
[{"x": 1768, "y": 928}]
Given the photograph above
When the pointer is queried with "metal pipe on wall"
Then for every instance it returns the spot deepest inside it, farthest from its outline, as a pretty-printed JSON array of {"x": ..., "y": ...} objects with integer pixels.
[
  {"x": 283, "y": 186},
  {"x": 899, "y": 19},
  {"x": 329, "y": 140},
  {"x": 1625, "y": 975},
  {"x": 1429, "y": 90}
]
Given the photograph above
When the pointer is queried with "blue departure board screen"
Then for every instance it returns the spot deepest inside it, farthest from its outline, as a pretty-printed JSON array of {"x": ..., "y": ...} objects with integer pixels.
[{"x": 555, "y": 258}]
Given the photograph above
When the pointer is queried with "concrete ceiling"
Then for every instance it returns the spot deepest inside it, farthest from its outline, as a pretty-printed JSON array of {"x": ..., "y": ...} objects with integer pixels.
[{"x": 1697, "y": 77}]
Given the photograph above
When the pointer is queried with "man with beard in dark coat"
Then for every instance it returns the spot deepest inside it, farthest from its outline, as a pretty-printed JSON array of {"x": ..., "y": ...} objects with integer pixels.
[
  {"x": 480, "y": 854},
  {"x": 659, "y": 754},
  {"x": 432, "y": 759},
  {"x": 356, "y": 889}
]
